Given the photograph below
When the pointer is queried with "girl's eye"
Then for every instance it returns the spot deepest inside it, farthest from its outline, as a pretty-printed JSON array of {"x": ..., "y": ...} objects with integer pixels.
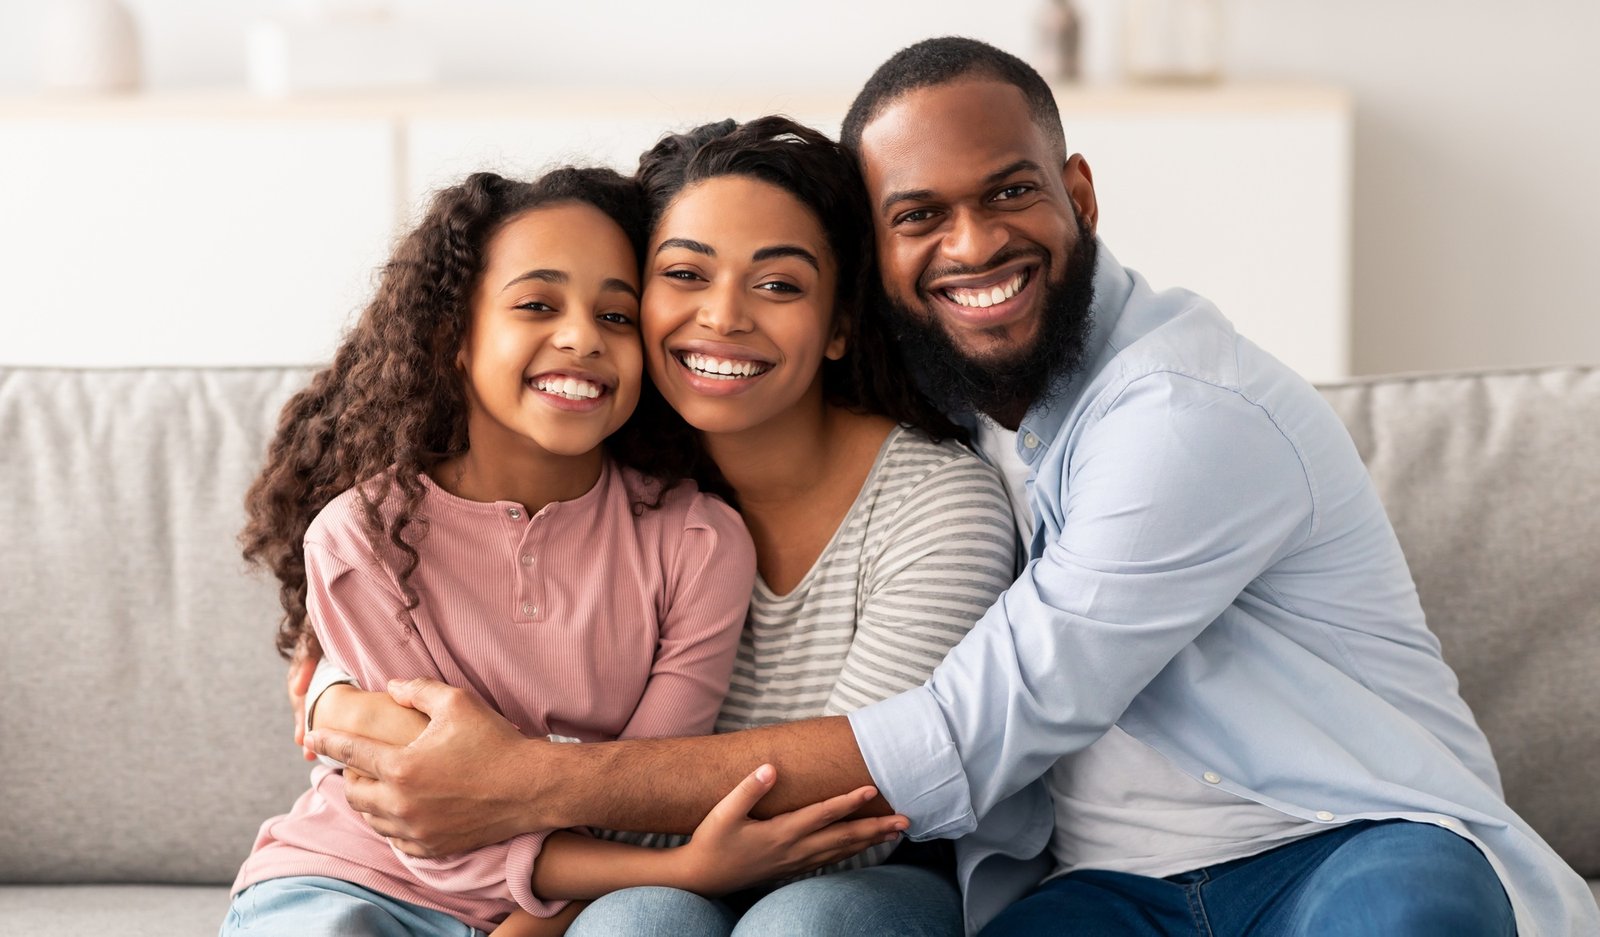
[
  {"x": 533, "y": 305},
  {"x": 617, "y": 318}
]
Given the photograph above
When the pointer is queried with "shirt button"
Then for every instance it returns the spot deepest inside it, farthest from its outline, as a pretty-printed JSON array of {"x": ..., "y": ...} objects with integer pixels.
[
  {"x": 1324, "y": 815},
  {"x": 528, "y": 608},
  {"x": 527, "y": 559},
  {"x": 514, "y": 513},
  {"x": 1212, "y": 777},
  {"x": 1030, "y": 441}
]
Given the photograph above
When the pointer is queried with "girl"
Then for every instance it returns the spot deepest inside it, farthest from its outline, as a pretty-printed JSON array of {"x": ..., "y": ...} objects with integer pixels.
[
  {"x": 877, "y": 546},
  {"x": 463, "y": 496}
]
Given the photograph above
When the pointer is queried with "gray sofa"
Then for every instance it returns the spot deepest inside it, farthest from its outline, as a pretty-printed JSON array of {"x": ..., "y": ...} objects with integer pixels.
[{"x": 144, "y": 732}]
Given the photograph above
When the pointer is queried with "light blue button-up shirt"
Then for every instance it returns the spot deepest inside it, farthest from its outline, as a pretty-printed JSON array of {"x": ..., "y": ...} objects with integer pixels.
[{"x": 1212, "y": 571}]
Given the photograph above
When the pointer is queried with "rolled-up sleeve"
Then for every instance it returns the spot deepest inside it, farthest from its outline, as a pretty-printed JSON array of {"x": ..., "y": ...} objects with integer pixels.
[{"x": 1177, "y": 494}]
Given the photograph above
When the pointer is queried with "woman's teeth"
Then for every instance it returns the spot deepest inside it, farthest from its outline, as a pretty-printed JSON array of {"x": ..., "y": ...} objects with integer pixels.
[
  {"x": 722, "y": 368},
  {"x": 568, "y": 387},
  {"x": 983, "y": 299}
]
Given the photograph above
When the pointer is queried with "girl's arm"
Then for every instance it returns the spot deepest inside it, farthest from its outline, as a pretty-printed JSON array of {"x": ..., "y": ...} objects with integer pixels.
[{"x": 728, "y": 851}]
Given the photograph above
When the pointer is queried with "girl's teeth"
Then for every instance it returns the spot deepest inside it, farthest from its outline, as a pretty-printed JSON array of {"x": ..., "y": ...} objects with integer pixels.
[{"x": 570, "y": 388}]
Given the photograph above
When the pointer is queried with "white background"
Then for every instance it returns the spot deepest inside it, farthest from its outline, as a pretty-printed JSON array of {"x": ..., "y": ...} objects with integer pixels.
[{"x": 1476, "y": 140}]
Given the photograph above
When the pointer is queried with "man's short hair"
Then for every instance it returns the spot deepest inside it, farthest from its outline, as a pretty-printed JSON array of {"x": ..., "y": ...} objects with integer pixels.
[{"x": 946, "y": 59}]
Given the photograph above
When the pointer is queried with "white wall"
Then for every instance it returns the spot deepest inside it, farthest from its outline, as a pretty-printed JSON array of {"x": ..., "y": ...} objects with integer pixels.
[{"x": 1476, "y": 145}]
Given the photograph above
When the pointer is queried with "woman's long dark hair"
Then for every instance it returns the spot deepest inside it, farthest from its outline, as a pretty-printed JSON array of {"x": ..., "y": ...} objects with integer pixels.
[
  {"x": 872, "y": 376},
  {"x": 394, "y": 399}
]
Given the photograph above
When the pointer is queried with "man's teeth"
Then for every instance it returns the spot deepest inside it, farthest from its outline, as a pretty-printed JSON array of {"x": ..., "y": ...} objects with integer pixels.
[
  {"x": 568, "y": 387},
  {"x": 722, "y": 368},
  {"x": 983, "y": 299}
]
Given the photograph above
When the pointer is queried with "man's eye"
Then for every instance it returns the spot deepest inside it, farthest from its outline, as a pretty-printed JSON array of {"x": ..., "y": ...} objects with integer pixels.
[
  {"x": 914, "y": 216},
  {"x": 1012, "y": 191}
]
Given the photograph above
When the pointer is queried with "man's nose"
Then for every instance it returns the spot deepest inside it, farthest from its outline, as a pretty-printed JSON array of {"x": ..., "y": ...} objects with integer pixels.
[{"x": 973, "y": 239}]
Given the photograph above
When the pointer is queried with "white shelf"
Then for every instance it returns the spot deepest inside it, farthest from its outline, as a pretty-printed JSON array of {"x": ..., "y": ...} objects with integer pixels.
[{"x": 215, "y": 227}]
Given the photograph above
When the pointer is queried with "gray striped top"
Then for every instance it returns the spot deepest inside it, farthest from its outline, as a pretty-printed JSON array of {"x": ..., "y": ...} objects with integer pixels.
[{"x": 927, "y": 547}]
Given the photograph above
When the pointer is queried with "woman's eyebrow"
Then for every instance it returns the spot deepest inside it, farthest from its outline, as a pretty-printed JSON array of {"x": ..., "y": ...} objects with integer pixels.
[
  {"x": 687, "y": 244},
  {"x": 787, "y": 250}
]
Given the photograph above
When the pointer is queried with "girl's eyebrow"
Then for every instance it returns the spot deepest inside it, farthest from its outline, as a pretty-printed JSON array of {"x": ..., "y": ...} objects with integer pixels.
[
  {"x": 560, "y": 278},
  {"x": 787, "y": 250}
]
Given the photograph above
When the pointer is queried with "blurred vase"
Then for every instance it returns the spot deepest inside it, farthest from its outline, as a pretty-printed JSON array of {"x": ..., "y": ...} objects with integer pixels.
[
  {"x": 1059, "y": 41},
  {"x": 1174, "y": 40},
  {"x": 89, "y": 45}
]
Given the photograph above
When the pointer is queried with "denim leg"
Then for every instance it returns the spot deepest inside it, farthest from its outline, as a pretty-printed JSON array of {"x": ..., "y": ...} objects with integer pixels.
[
  {"x": 1404, "y": 878},
  {"x": 311, "y": 906},
  {"x": 1094, "y": 903},
  {"x": 881, "y": 901},
  {"x": 653, "y": 911}
]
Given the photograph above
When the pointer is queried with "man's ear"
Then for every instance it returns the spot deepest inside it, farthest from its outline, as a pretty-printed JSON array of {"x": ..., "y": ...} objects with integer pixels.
[{"x": 1079, "y": 183}]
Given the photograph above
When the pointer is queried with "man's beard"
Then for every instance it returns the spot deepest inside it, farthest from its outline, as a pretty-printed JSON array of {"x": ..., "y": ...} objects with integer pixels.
[{"x": 1006, "y": 383}]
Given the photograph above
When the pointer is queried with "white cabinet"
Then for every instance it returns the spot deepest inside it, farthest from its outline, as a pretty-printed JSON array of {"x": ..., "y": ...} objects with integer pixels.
[{"x": 221, "y": 229}]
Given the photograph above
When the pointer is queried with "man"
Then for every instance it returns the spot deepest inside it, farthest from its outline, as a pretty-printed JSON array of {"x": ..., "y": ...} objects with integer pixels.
[{"x": 1209, "y": 701}]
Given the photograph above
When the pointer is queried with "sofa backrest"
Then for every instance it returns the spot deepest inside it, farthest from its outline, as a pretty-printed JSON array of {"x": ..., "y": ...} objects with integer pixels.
[
  {"x": 1492, "y": 481},
  {"x": 144, "y": 732}
]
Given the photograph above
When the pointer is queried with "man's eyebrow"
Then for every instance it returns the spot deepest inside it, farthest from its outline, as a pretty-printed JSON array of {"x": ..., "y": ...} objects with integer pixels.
[
  {"x": 787, "y": 250},
  {"x": 904, "y": 195},
  {"x": 557, "y": 277},
  {"x": 1021, "y": 165},
  {"x": 612, "y": 283},
  {"x": 687, "y": 244}
]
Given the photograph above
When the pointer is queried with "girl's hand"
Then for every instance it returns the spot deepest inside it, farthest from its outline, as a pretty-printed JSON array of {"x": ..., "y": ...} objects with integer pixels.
[
  {"x": 730, "y": 850},
  {"x": 301, "y": 668}
]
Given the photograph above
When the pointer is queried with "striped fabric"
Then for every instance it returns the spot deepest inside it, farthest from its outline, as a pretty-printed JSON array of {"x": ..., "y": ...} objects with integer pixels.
[{"x": 927, "y": 547}]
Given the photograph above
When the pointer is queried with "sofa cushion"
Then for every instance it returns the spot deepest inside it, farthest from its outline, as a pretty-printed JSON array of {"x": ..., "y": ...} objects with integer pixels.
[
  {"x": 1493, "y": 483},
  {"x": 146, "y": 733},
  {"x": 123, "y": 910}
]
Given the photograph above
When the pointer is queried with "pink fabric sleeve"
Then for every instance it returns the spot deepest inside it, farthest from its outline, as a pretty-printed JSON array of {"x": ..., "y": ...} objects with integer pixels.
[
  {"x": 356, "y": 613},
  {"x": 711, "y": 578}
]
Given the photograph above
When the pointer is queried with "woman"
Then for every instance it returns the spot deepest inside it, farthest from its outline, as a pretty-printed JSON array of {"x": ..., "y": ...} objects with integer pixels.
[{"x": 877, "y": 546}]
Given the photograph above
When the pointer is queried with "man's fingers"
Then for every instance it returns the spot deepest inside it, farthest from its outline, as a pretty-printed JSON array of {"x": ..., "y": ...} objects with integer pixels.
[
  {"x": 422, "y": 694},
  {"x": 746, "y": 794},
  {"x": 367, "y": 756}
]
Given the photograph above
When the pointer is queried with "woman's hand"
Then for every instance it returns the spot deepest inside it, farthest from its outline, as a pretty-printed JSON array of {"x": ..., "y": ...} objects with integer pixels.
[{"x": 730, "y": 850}]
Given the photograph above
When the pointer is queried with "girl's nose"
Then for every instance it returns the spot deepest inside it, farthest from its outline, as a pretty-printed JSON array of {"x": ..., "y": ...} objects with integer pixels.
[{"x": 579, "y": 334}]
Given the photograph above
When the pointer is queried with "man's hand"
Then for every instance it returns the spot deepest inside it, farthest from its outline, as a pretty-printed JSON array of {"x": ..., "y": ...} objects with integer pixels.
[
  {"x": 456, "y": 787},
  {"x": 301, "y": 668},
  {"x": 730, "y": 850}
]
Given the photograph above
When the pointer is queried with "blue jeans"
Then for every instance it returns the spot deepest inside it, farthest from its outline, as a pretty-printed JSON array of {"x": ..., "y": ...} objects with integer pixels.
[
  {"x": 882, "y": 901},
  {"x": 1390, "y": 877},
  {"x": 311, "y": 906}
]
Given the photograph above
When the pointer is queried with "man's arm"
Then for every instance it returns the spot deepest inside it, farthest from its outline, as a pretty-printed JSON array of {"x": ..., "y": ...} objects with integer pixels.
[{"x": 417, "y": 795}]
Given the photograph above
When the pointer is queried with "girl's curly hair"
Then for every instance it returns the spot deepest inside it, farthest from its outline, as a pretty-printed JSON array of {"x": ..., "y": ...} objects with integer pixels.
[
  {"x": 872, "y": 376},
  {"x": 393, "y": 403}
]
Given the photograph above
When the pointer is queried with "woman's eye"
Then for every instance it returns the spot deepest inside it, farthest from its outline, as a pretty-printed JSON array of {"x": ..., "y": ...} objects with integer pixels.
[
  {"x": 778, "y": 286},
  {"x": 684, "y": 275}
]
